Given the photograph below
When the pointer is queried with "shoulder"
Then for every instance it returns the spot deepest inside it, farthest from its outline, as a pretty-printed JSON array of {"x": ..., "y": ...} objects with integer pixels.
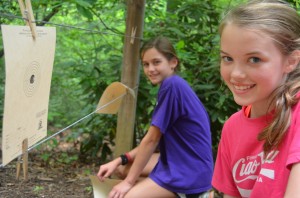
[
  {"x": 233, "y": 120},
  {"x": 174, "y": 79},
  {"x": 296, "y": 111},
  {"x": 296, "y": 108},
  {"x": 297, "y": 105},
  {"x": 173, "y": 83},
  {"x": 235, "y": 116}
]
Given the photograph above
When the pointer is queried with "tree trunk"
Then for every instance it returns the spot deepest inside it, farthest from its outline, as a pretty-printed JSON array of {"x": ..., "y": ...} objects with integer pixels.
[{"x": 130, "y": 75}]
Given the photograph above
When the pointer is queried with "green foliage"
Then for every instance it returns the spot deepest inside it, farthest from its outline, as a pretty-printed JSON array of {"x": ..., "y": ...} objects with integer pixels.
[
  {"x": 88, "y": 58},
  {"x": 87, "y": 62},
  {"x": 38, "y": 189},
  {"x": 67, "y": 159},
  {"x": 89, "y": 189},
  {"x": 45, "y": 157}
]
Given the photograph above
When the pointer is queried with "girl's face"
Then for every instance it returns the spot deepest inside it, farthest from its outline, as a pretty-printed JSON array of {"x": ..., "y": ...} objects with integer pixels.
[
  {"x": 252, "y": 67},
  {"x": 157, "y": 67}
]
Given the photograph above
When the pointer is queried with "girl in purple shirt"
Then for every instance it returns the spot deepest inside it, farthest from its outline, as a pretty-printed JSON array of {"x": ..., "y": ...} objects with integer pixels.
[{"x": 179, "y": 128}]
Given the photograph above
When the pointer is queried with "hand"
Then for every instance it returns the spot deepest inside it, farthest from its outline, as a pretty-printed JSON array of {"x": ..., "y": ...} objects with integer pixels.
[
  {"x": 120, "y": 190},
  {"x": 107, "y": 169}
]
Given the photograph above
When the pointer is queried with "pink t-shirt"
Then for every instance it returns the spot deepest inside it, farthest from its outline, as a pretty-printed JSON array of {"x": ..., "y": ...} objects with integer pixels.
[{"x": 240, "y": 168}]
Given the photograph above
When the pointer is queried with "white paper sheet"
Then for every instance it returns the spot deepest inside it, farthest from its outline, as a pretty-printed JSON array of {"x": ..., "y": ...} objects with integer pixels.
[{"x": 28, "y": 71}]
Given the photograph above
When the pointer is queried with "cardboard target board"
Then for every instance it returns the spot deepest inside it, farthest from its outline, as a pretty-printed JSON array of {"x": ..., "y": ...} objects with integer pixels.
[
  {"x": 102, "y": 189},
  {"x": 28, "y": 72},
  {"x": 112, "y": 97}
]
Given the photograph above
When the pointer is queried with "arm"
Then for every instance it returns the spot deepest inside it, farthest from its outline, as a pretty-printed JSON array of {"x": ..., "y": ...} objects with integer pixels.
[
  {"x": 122, "y": 171},
  {"x": 133, "y": 152},
  {"x": 144, "y": 152},
  {"x": 146, "y": 149},
  {"x": 293, "y": 189},
  {"x": 107, "y": 169}
]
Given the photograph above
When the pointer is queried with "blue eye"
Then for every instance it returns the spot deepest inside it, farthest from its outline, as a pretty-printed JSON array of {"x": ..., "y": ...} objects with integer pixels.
[
  {"x": 254, "y": 60},
  {"x": 226, "y": 59}
]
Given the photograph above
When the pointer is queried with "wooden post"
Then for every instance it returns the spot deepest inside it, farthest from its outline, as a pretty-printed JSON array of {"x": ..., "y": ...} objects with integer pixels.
[{"x": 130, "y": 75}]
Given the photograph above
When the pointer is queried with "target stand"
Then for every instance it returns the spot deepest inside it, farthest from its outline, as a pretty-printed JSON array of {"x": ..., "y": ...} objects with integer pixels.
[{"x": 29, "y": 56}]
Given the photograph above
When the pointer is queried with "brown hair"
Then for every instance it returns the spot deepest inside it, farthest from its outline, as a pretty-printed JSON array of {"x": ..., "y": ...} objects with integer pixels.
[
  {"x": 282, "y": 23},
  {"x": 164, "y": 46}
]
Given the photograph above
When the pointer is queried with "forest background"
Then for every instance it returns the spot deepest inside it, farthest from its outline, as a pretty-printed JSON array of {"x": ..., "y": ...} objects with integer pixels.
[{"x": 88, "y": 58}]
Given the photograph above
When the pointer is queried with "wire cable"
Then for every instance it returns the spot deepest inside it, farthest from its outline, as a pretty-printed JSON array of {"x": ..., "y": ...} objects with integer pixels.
[
  {"x": 69, "y": 26},
  {"x": 74, "y": 123}
]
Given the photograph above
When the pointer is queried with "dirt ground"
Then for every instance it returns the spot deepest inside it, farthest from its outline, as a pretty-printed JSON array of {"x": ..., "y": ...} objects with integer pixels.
[{"x": 51, "y": 174}]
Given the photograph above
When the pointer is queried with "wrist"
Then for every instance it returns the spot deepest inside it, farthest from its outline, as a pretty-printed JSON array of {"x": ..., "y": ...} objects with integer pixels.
[
  {"x": 130, "y": 181},
  {"x": 118, "y": 161},
  {"x": 130, "y": 160},
  {"x": 125, "y": 159}
]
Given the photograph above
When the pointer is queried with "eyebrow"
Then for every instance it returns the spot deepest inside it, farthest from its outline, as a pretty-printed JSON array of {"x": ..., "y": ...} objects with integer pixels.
[
  {"x": 153, "y": 59},
  {"x": 223, "y": 52},
  {"x": 254, "y": 53},
  {"x": 248, "y": 54}
]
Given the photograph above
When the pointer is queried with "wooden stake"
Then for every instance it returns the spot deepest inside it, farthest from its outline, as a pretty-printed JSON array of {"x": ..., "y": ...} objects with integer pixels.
[{"x": 23, "y": 159}]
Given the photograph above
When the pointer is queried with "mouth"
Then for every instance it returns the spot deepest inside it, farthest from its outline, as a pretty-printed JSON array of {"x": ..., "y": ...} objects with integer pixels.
[
  {"x": 152, "y": 76},
  {"x": 243, "y": 87}
]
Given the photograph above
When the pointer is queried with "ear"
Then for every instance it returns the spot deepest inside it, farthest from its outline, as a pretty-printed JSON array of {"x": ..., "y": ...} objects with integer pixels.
[
  {"x": 292, "y": 61},
  {"x": 173, "y": 63}
]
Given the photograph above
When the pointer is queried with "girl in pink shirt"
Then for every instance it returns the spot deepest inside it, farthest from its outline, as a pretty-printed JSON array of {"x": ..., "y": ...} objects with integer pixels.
[{"x": 259, "y": 150}]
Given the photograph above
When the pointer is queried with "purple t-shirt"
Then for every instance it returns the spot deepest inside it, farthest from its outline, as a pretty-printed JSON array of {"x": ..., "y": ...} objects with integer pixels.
[{"x": 186, "y": 163}]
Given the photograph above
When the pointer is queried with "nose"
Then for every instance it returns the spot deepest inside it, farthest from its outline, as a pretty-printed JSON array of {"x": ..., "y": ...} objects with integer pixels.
[
  {"x": 151, "y": 67},
  {"x": 238, "y": 71}
]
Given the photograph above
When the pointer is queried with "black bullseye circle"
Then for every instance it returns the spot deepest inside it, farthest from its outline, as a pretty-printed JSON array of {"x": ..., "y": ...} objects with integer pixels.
[{"x": 32, "y": 79}]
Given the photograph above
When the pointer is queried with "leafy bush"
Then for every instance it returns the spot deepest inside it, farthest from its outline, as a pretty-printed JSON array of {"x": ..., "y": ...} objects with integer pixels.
[{"x": 86, "y": 62}]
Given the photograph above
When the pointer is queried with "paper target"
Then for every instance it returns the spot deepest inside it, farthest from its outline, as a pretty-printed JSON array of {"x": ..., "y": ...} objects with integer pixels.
[
  {"x": 32, "y": 79},
  {"x": 28, "y": 72}
]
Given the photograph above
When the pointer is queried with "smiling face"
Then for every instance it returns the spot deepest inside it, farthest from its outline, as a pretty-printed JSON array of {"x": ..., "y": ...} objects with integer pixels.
[
  {"x": 156, "y": 66},
  {"x": 252, "y": 66}
]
